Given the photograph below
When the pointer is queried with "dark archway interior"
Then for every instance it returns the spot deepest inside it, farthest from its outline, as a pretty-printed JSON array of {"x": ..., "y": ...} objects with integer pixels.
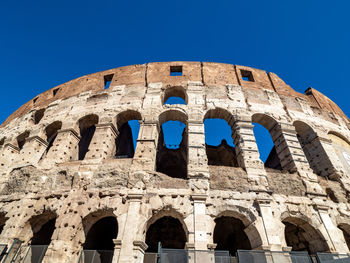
[
  {"x": 51, "y": 133},
  {"x": 43, "y": 236},
  {"x": 124, "y": 142},
  {"x": 346, "y": 232},
  {"x": 168, "y": 231},
  {"x": 38, "y": 115},
  {"x": 172, "y": 161},
  {"x": 101, "y": 234},
  {"x": 84, "y": 143},
  {"x": 295, "y": 238},
  {"x": 21, "y": 139},
  {"x": 229, "y": 235}
]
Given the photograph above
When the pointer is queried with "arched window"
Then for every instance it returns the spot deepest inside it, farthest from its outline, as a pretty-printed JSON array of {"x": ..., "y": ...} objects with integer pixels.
[
  {"x": 220, "y": 148},
  {"x": 99, "y": 243},
  {"x": 341, "y": 146},
  {"x": 168, "y": 231},
  {"x": 128, "y": 126},
  {"x": 301, "y": 236},
  {"x": 263, "y": 125},
  {"x": 51, "y": 133},
  {"x": 38, "y": 115},
  {"x": 87, "y": 126},
  {"x": 43, "y": 227},
  {"x": 21, "y": 139},
  {"x": 229, "y": 235},
  {"x": 175, "y": 95},
  {"x": 172, "y": 144}
]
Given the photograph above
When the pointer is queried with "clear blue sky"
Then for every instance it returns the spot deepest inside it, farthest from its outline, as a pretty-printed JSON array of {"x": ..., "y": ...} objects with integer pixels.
[{"x": 46, "y": 43}]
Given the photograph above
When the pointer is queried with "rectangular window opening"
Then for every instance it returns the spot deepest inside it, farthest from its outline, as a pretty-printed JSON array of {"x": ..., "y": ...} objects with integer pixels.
[
  {"x": 108, "y": 80},
  {"x": 175, "y": 70},
  {"x": 54, "y": 92},
  {"x": 247, "y": 75}
]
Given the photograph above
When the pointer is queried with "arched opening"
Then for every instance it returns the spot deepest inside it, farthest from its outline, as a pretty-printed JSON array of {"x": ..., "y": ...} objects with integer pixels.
[
  {"x": 346, "y": 232},
  {"x": 301, "y": 236},
  {"x": 220, "y": 148},
  {"x": 38, "y": 115},
  {"x": 99, "y": 240},
  {"x": 172, "y": 144},
  {"x": 21, "y": 139},
  {"x": 3, "y": 220},
  {"x": 51, "y": 133},
  {"x": 128, "y": 128},
  {"x": 229, "y": 235},
  {"x": 263, "y": 125},
  {"x": 168, "y": 231},
  {"x": 87, "y": 127},
  {"x": 175, "y": 95},
  {"x": 43, "y": 227},
  {"x": 312, "y": 148}
]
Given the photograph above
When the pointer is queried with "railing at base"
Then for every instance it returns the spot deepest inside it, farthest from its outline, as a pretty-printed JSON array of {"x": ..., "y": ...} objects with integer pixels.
[
  {"x": 35, "y": 253},
  {"x": 96, "y": 256},
  {"x": 12, "y": 253},
  {"x": 332, "y": 258}
]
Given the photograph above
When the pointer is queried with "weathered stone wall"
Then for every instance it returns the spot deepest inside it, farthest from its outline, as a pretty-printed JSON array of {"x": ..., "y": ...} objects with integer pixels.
[{"x": 45, "y": 179}]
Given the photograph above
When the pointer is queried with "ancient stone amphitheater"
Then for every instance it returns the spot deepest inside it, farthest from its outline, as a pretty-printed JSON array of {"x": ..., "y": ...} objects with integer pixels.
[{"x": 75, "y": 188}]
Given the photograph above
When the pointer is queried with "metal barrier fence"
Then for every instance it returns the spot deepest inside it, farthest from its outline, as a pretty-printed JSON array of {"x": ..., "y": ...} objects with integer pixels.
[
  {"x": 261, "y": 256},
  {"x": 332, "y": 258},
  {"x": 243, "y": 256},
  {"x": 96, "y": 256},
  {"x": 35, "y": 254}
]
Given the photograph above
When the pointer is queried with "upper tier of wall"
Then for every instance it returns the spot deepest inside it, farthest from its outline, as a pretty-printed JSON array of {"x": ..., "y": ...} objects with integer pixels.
[{"x": 210, "y": 74}]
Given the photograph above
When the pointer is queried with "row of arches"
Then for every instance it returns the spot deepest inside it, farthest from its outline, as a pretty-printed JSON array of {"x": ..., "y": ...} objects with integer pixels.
[
  {"x": 230, "y": 232},
  {"x": 220, "y": 140}
]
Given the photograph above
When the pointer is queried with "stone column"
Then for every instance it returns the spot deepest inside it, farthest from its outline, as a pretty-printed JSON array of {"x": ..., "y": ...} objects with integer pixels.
[
  {"x": 130, "y": 251},
  {"x": 200, "y": 222},
  {"x": 32, "y": 151},
  {"x": 64, "y": 148},
  {"x": 336, "y": 238},
  {"x": 197, "y": 163},
  {"x": 270, "y": 225},
  {"x": 248, "y": 154},
  {"x": 292, "y": 156},
  {"x": 146, "y": 148},
  {"x": 102, "y": 144}
]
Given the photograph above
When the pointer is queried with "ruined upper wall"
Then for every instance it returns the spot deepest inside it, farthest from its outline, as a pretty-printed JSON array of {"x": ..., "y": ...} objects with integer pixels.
[{"x": 207, "y": 73}]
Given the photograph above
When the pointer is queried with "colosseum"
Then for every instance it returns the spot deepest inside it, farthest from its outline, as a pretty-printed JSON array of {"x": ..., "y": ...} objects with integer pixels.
[{"x": 75, "y": 187}]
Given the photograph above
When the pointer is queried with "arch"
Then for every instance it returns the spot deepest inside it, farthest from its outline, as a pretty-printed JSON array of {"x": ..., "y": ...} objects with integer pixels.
[
  {"x": 177, "y": 154},
  {"x": 223, "y": 153},
  {"x": 342, "y": 137},
  {"x": 21, "y": 139},
  {"x": 38, "y": 115},
  {"x": 168, "y": 227},
  {"x": 270, "y": 124},
  {"x": 229, "y": 235},
  {"x": 311, "y": 145},
  {"x": 246, "y": 219},
  {"x": 124, "y": 142},
  {"x": 176, "y": 91},
  {"x": 345, "y": 228},
  {"x": 87, "y": 127},
  {"x": 341, "y": 146},
  {"x": 301, "y": 235},
  {"x": 42, "y": 226},
  {"x": 51, "y": 133},
  {"x": 173, "y": 115}
]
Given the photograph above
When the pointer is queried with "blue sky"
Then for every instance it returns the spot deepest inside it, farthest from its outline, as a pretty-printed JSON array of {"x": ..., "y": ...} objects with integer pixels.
[{"x": 46, "y": 43}]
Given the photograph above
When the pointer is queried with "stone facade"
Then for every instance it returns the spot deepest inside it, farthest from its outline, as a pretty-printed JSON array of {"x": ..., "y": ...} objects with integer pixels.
[{"x": 60, "y": 163}]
